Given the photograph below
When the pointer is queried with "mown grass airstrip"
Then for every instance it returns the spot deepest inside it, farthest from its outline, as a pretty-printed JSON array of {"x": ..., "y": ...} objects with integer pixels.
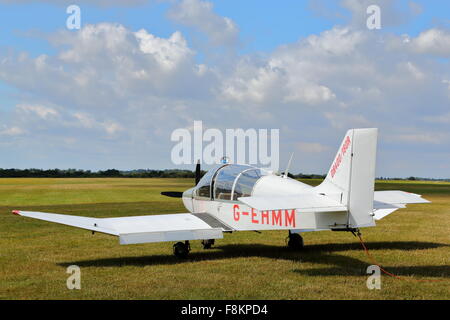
[{"x": 413, "y": 243}]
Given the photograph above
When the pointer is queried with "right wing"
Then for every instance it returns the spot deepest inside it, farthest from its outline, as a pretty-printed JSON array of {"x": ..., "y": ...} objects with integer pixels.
[{"x": 141, "y": 229}]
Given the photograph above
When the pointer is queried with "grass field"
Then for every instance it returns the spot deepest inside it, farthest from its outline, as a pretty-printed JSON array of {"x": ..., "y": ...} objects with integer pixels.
[{"x": 413, "y": 243}]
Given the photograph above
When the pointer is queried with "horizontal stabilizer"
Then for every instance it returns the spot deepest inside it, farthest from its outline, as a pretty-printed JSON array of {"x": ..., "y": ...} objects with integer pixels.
[
  {"x": 386, "y": 202},
  {"x": 381, "y": 213},
  {"x": 398, "y": 197}
]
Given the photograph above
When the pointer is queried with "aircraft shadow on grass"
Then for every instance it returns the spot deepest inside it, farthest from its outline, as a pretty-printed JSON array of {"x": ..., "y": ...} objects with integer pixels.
[{"x": 316, "y": 253}]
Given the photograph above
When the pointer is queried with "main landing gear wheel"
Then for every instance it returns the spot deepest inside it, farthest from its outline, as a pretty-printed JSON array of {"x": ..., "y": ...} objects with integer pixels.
[
  {"x": 181, "y": 250},
  {"x": 207, "y": 244},
  {"x": 295, "y": 241}
]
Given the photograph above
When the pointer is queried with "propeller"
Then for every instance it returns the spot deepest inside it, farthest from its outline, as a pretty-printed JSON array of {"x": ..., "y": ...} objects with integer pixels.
[
  {"x": 198, "y": 173},
  {"x": 178, "y": 194},
  {"x": 172, "y": 194}
]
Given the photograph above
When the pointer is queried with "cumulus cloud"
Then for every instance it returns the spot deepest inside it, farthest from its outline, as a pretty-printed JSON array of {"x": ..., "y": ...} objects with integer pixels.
[
  {"x": 117, "y": 93},
  {"x": 354, "y": 12},
  {"x": 291, "y": 74},
  {"x": 432, "y": 41},
  {"x": 200, "y": 15},
  {"x": 311, "y": 147},
  {"x": 103, "y": 65}
]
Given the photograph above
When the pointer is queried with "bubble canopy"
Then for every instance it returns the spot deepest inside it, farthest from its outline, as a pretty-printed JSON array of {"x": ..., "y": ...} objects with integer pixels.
[{"x": 228, "y": 182}]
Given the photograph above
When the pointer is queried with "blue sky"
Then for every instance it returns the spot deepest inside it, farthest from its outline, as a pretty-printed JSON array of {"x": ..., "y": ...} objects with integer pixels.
[
  {"x": 264, "y": 25},
  {"x": 265, "y": 43}
]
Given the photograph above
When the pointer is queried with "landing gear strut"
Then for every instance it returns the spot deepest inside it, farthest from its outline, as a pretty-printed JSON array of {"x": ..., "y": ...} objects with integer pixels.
[
  {"x": 181, "y": 250},
  {"x": 207, "y": 244},
  {"x": 295, "y": 241}
]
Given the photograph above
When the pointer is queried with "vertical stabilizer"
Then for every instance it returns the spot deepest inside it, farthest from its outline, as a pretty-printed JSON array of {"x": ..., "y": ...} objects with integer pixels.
[{"x": 351, "y": 177}]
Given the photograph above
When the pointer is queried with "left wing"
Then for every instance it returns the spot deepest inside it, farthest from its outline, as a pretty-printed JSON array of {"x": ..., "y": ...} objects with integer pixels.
[{"x": 141, "y": 229}]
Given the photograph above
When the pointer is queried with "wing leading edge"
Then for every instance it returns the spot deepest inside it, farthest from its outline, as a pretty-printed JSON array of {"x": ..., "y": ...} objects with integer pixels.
[{"x": 138, "y": 229}]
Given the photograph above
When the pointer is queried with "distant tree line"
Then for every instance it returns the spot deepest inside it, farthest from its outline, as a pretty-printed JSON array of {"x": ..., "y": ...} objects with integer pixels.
[
  {"x": 110, "y": 173},
  {"x": 306, "y": 176},
  {"x": 114, "y": 173},
  {"x": 144, "y": 173}
]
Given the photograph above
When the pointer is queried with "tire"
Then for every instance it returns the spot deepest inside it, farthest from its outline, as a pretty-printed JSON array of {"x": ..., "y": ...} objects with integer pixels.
[
  {"x": 207, "y": 244},
  {"x": 295, "y": 241},
  {"x": 180, "y": 250}
]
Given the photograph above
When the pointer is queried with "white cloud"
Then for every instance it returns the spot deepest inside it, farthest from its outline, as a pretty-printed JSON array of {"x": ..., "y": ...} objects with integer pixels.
[
  {"x": 87, "y": 121},
  {"x": 420, "y": 138},
  {"x": 39, "y": 110},
  {"x": 344, "y": 120},
  {"x": 11, "y": 131},
  {"x": 311, "y": 147},
  {"x": 292, "y": 73},
  {"x": 250, "y": 83},
  {"x": 102, "y": 66},
  {"x": 310, "y": 94},
  {"x": 443, "y": 119},
  {"x": 200, "y": 15},
  {"x": 432, "y": 41},
  {"x": 169, "y": 53},
  {"x": 392, "y": 12},
  {"x": 121, "y": 92}
]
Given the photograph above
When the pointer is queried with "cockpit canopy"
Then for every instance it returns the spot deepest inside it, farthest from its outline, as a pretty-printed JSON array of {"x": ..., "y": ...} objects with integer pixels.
[{"x": 228, "y": 182}]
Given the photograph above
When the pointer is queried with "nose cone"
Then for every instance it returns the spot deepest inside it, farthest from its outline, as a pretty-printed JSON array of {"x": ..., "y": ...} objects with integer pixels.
[{"x": 187, "y": 199}]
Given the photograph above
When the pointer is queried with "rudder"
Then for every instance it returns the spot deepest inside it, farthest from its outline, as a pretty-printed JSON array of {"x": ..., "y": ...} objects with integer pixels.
[{"x": 351, "y": 177}]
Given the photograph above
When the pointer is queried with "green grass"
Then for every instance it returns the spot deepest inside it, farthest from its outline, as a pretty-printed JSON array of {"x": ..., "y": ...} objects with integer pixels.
[{"x": 413, "y": 243}]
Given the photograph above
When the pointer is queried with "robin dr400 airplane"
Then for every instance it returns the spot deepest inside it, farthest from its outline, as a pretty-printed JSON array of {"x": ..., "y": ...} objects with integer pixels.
[{"x": 231, "y": 197}]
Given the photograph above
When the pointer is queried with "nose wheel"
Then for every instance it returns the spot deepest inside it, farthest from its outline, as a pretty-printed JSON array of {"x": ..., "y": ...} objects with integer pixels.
[
  {"x": 181, "y": 250},
  {"x": 295, "y": 241}
]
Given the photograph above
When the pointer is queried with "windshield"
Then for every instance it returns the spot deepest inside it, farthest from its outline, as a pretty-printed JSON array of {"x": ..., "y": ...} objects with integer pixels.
[
  {"x": 204, "y": 185},
  {"x": 224, "y": 181},
  {"x": 228, "y": 182}
]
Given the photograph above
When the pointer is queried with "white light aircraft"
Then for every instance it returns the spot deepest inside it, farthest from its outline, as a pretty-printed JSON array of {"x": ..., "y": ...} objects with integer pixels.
[{"x": 231, "y": 198}]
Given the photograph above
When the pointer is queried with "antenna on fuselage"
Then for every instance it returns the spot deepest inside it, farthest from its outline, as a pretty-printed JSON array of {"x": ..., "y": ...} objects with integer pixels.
[{"x": 285, "y": 175}]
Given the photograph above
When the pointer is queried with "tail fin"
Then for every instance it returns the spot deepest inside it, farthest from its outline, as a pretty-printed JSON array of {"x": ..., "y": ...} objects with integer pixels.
[{"x": 352, "y": 175}]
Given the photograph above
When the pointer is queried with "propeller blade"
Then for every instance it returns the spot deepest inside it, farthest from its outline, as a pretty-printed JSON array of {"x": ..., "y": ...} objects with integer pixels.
[
  {"x": 172, "y": 194},
  {"x": 197, "y": 172}
]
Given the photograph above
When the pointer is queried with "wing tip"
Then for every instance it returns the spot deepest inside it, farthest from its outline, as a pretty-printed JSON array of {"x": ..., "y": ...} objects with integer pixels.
[{"x": 16, "y": 212}]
